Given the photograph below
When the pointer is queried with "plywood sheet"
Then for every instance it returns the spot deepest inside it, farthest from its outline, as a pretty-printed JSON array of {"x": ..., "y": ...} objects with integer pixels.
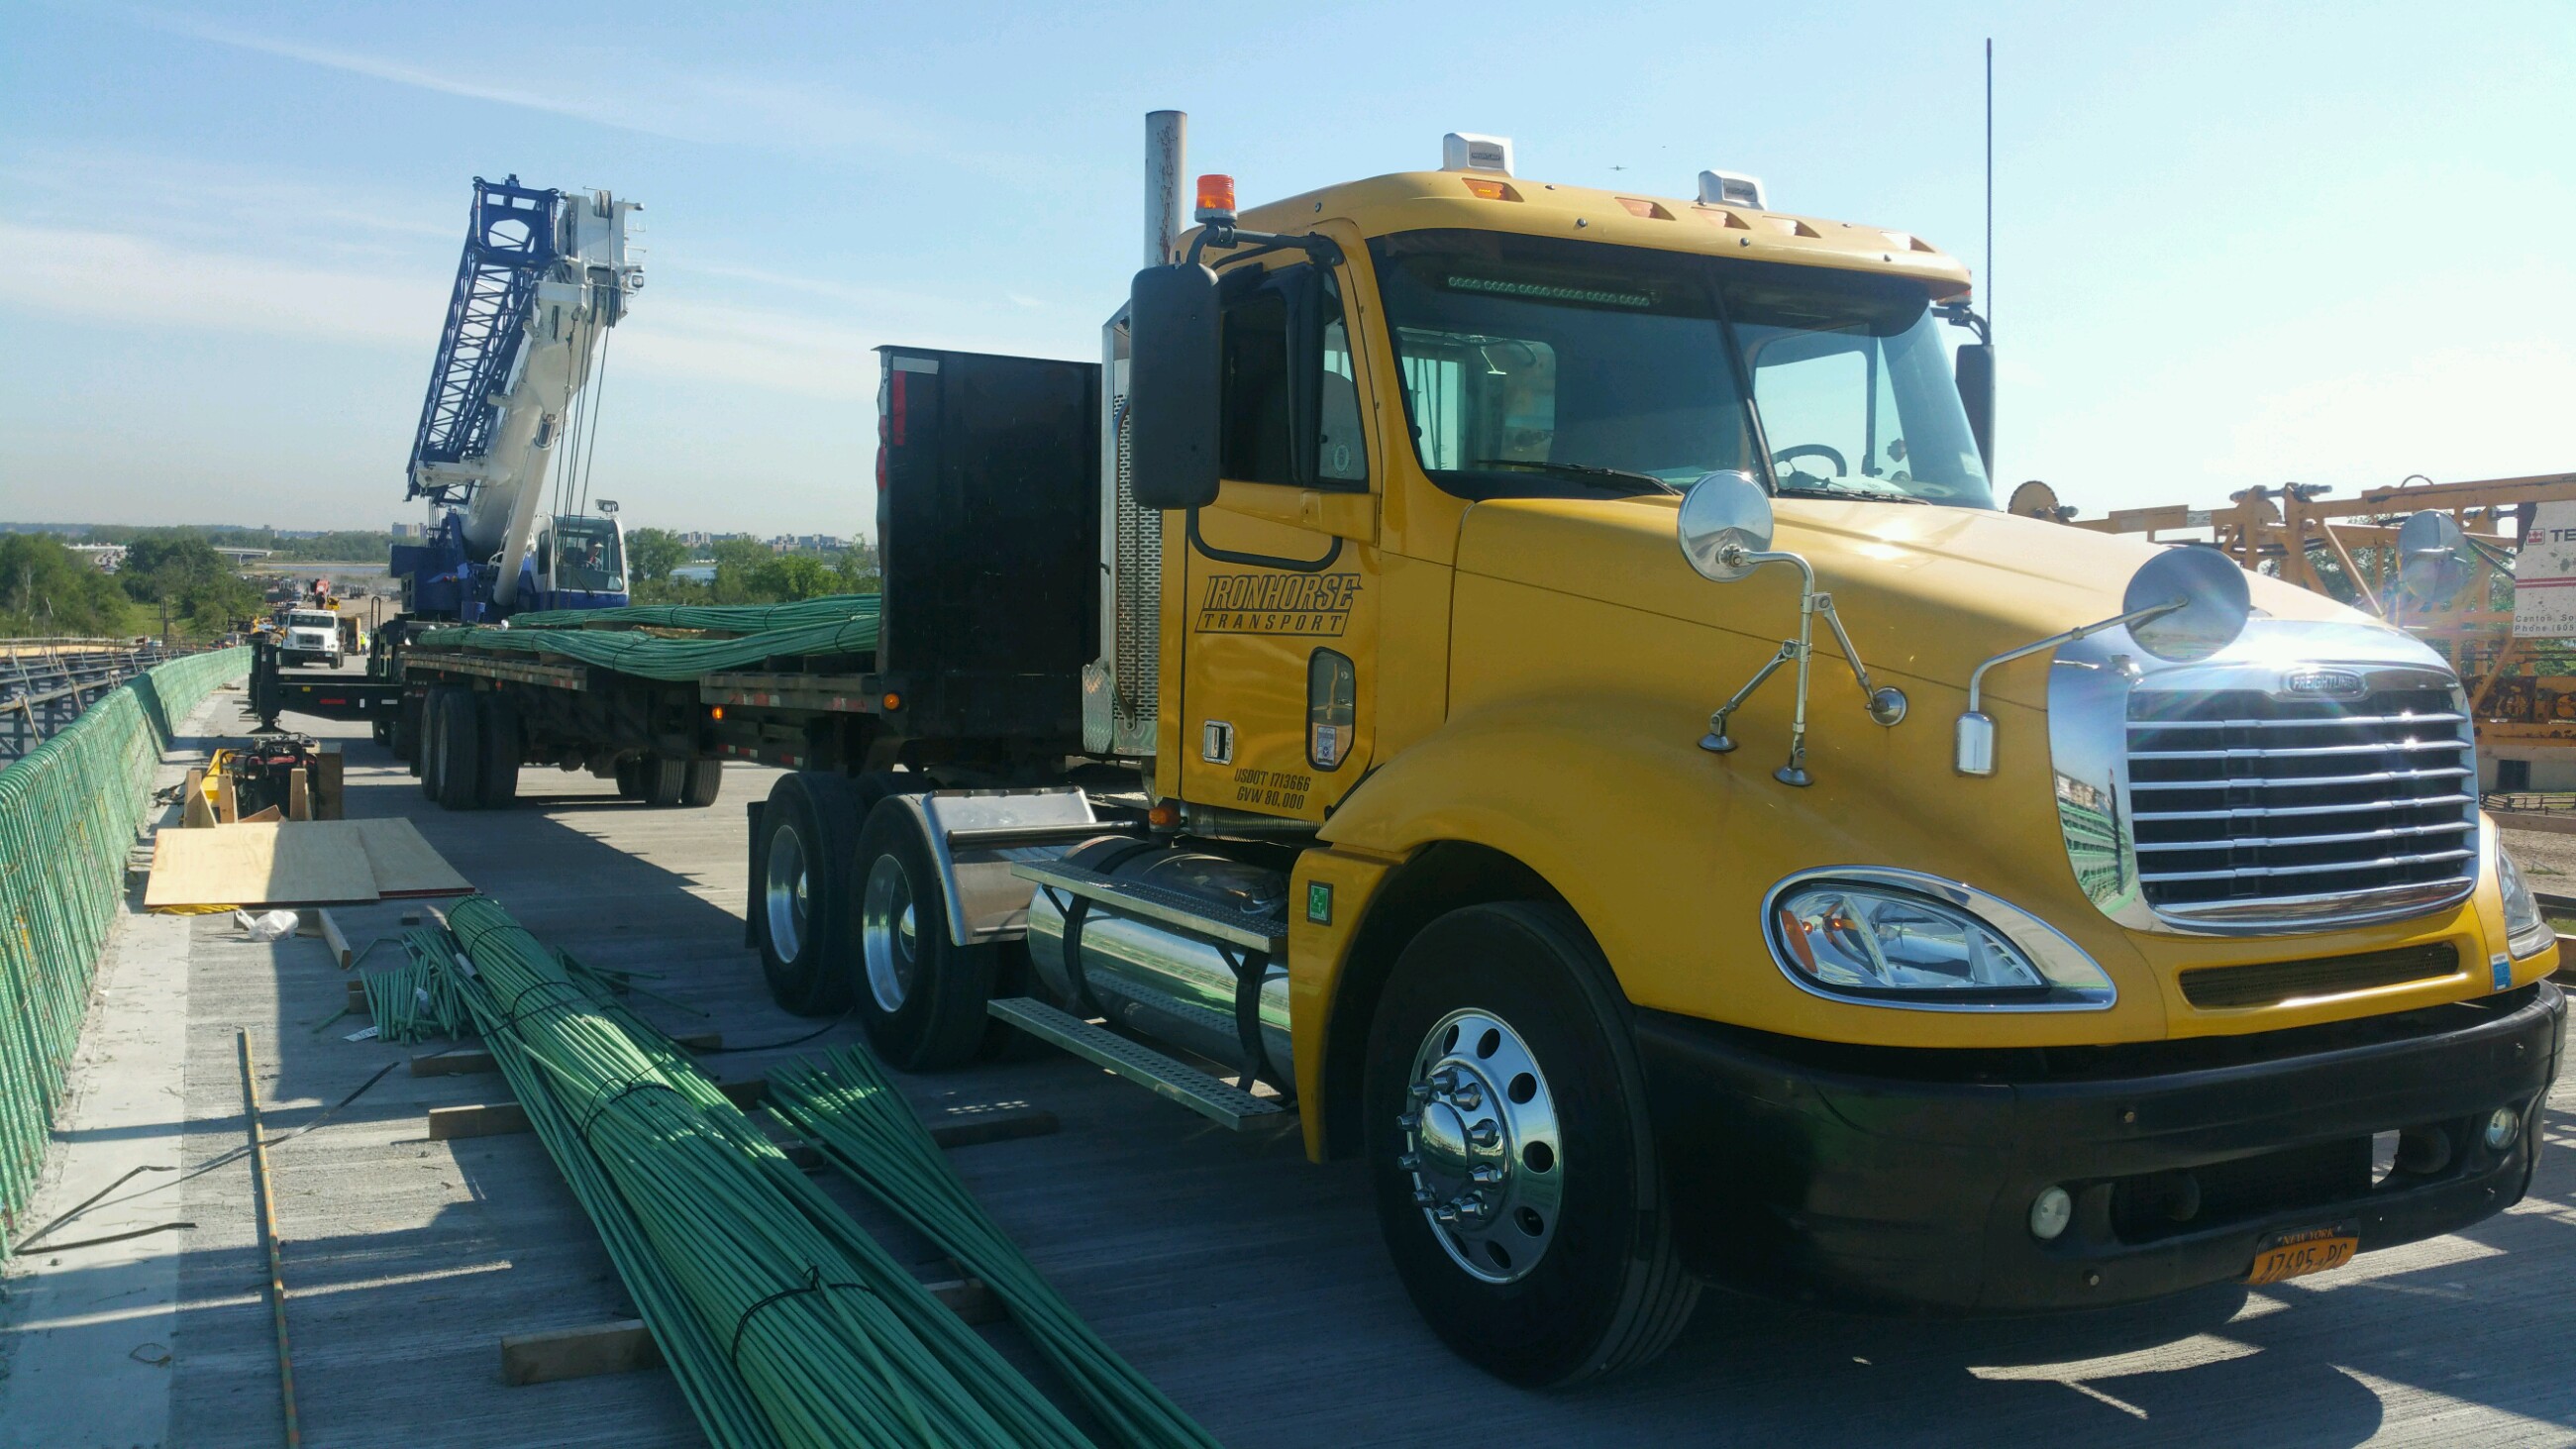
[
  {"x": 283, "y": 864},
  {"x": 404, "y": 864}
]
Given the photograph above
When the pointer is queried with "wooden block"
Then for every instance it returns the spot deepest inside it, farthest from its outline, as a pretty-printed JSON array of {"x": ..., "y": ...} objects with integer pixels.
[
  {"x": 195, "y": 810},
  {"x": 326, "y": 783},
  {"x": 299, "y": 795},
  {"x": 270, "y": 815},
  {"x": 227, "y": 808},
  {"x": 358, "y": 996},
  {"x": 483, "y": 1119},
  {"x": 454, "y": 1063},
  {"x": 973, "y": 1126},
  {"x": 969, "y": 1299},
  {"x": 332, "y": 938},
  {"x": 572, "y": 1353}
]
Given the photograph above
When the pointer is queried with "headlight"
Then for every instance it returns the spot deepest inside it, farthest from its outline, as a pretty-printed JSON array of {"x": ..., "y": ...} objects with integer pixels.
[
  {"x": 1900, "y": 938},
  {"x": 2526, "y": 931}
]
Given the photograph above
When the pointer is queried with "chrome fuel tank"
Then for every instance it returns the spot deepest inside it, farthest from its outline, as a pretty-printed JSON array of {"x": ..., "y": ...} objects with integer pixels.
[{"x": 1160, "y": 981}]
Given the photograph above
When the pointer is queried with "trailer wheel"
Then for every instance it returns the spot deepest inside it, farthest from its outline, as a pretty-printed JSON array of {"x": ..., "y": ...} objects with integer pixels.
[
  {"x": 1515, "y": 1171},
  {"x": 700, "y": 784},
  {"x": 920, "y": 995},
  {"x": 497, "y": 746},
  {"x": 630, "y": 778},
  {"x": 458, "y": 755},
  {"x": 798, "y": 908},
  {"x": 433, "y": 745}
]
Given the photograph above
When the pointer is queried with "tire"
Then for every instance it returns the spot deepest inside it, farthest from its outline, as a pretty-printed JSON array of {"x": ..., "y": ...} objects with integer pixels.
[
  {"x": 630, "y": 778},
  {"x": 920, "y": 995},
  {"x": 496, "y": 740},
  {"x": 664, "y": 781},
  {"x": 799, "y": 910},
  {"x": 701, "y": 783},
  {"x": 459, "y": 753},
  {"x": 1574, "y": 1274},
  {"x": 429, "y": 766}
]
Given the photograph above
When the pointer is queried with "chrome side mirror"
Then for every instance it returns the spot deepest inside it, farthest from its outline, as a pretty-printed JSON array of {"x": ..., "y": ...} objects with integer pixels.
[
  {"x": 1725, "y": 519},
  {"x": 2430, "y": 567},
  {"x": 2182, "y": 605},
  {"x": 1724, "y": 529}
]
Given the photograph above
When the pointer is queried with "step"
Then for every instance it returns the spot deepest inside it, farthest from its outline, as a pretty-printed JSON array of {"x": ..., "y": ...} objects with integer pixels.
[
  {"x": 1262, "y": 931},
  {"x": 1174, "y": 1081}
]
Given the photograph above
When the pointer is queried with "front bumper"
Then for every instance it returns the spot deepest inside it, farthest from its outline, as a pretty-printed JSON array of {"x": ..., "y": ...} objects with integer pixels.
[{"x": 1903, "y": 1180}]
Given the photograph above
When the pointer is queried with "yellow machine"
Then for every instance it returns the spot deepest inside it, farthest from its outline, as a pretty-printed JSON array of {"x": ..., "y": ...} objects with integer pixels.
[{"x": 1614, "y": 768}]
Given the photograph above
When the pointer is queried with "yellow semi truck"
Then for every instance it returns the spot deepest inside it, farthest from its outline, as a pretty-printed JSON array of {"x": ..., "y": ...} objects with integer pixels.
[{"x": 1532, "y": 681}]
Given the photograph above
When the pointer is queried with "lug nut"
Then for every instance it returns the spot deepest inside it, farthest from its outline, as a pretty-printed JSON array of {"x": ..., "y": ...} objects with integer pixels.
[
  {"x": 1410, "y": 1162},
  {"x": 1424, "y": 1197},
  {"x": 1408, "y": 1121},
  {"x": 1485, "y": 1134},
  {"x": 1484, "y": 1174}
]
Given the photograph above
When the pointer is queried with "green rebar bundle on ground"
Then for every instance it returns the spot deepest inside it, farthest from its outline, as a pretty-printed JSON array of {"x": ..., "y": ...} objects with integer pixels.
[
  {"x": 843, "y": 624},
  {"x": 68, "y": 813},
  {"x": 785, "y": 1322},
  {"x": 865, "y": 1128},
  {"x": 418, "y": 1000}
]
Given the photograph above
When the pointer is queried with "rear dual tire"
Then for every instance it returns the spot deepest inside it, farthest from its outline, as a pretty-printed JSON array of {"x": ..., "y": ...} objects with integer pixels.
[
  {"x": 663, "y": 782},
  {"x": 470, "y": 749}
]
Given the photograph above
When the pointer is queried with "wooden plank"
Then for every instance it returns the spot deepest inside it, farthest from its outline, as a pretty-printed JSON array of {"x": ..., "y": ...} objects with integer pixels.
[
  {"x": 358, "y": 996},
  {"x": 469, "y": 1060},
  {"x": 195, "y": 810},
  {"x": 281, "y": 864},
  {"x": 974, "y": 1126},
  {"x": 329, "y": 767},
  {"x": 334, "y": 940},
  {"x": 403, "y": 863},
  {"x": 299, "y": 795},
  {"x": 227, "y": 806},
  {"x": 627, "y": 1345},
  {"x": 497, "y": 1119},
  {"x": 572, "y": 1353}
]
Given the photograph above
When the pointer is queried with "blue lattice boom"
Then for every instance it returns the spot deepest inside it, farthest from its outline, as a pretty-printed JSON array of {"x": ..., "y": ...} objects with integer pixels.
[{"x": 509, "y": 244}]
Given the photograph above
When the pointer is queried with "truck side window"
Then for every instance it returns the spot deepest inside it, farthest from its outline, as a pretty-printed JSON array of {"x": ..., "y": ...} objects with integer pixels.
[
  {"x": 1341, "y": 455},
  {"x": 1261, "y": 389},
  {"x": 1253, "y": 445}
]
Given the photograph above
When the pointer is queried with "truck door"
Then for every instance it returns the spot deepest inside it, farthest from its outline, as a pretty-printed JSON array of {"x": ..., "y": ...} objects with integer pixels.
[{"x": 1279, "y": 622}]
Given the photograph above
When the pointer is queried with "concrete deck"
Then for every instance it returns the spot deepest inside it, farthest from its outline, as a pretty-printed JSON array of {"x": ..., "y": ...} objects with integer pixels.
[{"x": 1246, "y": 1282}]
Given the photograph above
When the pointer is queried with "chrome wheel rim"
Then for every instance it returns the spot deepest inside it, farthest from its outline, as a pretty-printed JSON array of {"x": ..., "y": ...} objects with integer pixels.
[
  {"x": 783, "y": 893},
  {"x": 1481, "y": 1146},
  {"x": 886, "y": 933}
]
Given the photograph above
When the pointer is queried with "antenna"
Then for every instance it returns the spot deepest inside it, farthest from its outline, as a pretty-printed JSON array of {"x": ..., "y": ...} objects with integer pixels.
[{"x": 1990, "y": 187}]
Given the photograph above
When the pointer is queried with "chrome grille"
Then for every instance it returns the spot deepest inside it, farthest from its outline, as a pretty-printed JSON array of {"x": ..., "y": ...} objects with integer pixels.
[
  {"x": 1137, "y": 579},
  {"x": 2239, "y": 800}
]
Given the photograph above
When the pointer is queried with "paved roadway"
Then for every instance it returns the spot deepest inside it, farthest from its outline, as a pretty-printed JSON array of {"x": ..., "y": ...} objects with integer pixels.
[{"x": 1248, "y": 1283}]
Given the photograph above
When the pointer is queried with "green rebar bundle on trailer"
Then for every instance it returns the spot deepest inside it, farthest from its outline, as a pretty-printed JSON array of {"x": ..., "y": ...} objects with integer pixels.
[
  {"x": 842, "y": 625},
  {"x": 69, "y": 811}
]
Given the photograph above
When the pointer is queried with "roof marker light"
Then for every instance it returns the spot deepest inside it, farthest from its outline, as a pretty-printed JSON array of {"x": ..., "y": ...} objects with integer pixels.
[
  {"x": 1467, "y": 151},
  {"x": 1490, "y": 189},
  {"x": 1728, "y": 188}
]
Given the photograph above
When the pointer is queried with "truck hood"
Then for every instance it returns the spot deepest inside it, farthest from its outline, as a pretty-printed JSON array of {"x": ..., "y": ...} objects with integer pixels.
[{"x": 1926, "y": 592}]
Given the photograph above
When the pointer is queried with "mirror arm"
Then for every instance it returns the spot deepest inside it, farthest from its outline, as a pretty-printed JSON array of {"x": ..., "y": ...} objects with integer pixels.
[
  {"x": 1887, "y": 706},
  {"x": 1223, "y": 236},
  {"x": 1975, "y": 754}
]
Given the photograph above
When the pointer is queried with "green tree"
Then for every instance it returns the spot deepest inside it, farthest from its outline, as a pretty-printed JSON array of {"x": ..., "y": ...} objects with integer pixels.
[
  {"x": 651, "y": 554},
  {"x": 788, "y": 577},
  {"x": 46, "y": 589},
  {"x": 858, "y": 569}
]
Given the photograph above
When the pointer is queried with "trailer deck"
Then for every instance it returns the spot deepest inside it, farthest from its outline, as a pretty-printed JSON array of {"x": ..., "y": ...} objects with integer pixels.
[{"x": 1249, "y": 1284}]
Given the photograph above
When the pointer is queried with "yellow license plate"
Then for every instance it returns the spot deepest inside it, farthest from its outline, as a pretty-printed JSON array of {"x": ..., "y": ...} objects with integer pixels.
[{"x": 2303, "y": 1253}]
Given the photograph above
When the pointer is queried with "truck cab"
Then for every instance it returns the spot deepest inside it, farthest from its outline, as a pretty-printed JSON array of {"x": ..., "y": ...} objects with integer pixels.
[
  {"x": 1603, "y": 758},
  {"x": 577, "y": 561},
  {"x": 310, "y": 636}
]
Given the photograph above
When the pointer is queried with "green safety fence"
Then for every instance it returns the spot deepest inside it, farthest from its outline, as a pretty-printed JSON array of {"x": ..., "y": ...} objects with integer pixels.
[
  {"x": 68, "y": 813},
  {"x": 843, "y": 624}
]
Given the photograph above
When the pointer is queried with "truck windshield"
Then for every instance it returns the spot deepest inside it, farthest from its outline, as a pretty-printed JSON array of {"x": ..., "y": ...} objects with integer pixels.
[
  {"x": 1535, "y": 365},
  {"x": 313, "y": 621},
  {"x": 587, "y": 555}
]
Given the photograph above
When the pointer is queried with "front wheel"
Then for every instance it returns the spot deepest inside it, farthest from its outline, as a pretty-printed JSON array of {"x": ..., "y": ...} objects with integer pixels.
[{"x": 1507, "y": 1139}]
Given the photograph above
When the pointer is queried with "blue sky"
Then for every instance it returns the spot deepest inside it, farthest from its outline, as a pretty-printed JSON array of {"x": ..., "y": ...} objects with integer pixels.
[{"x": 2235, "y": 245}]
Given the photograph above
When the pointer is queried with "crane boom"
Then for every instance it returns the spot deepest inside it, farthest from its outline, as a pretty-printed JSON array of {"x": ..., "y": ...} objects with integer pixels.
[{"x": 543, "y": 276}]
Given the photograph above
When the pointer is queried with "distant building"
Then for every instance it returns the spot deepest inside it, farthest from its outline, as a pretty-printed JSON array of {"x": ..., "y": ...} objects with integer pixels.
[{"x": 108, "y": 556}]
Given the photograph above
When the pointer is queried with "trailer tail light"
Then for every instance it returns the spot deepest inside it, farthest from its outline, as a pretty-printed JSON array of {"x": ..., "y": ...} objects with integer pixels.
[
  {"x": 715, "y": 712},
  {"x": 895, "y": 407},
  {"x": 892, "y": 701}
]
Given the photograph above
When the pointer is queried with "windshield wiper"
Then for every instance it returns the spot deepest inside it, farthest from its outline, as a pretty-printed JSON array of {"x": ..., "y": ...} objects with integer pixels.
[
  {"x": 1820, "y": 488},
  {"x": 1588, "y": 474}
]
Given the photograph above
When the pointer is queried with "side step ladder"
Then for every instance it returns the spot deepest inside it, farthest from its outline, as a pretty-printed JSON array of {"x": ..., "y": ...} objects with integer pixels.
[{"x": 1174, "y": 1081}]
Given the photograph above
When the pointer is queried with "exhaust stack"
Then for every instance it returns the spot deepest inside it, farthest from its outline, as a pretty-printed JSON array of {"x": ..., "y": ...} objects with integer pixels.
[{"x": 1167, "y": 144}]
